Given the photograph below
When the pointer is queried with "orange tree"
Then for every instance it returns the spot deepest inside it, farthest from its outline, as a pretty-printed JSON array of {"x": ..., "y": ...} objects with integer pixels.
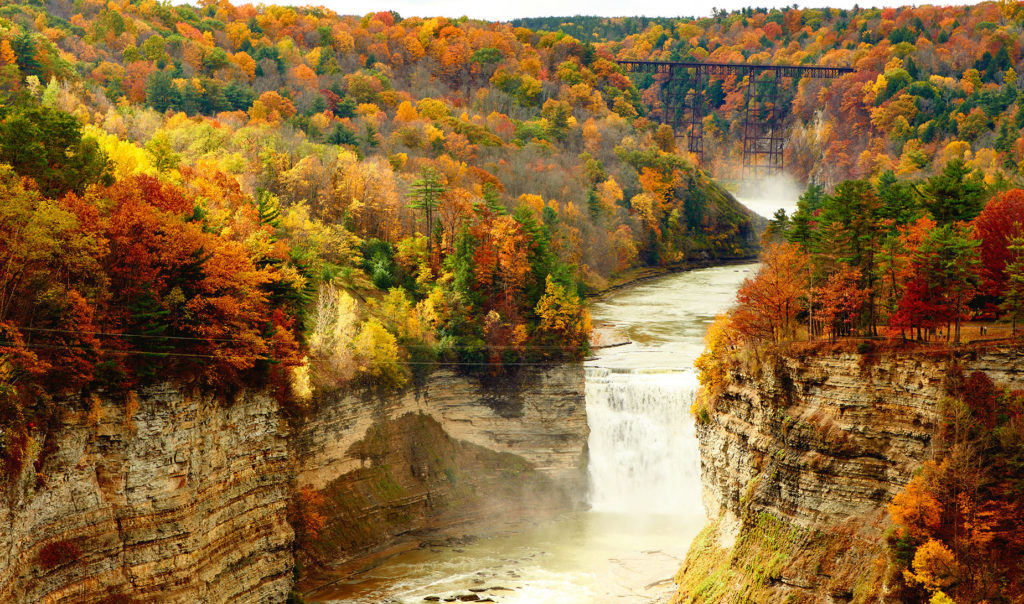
[
  {"x": 957, "y": 522},
  {"x": 767, "y": 304}
]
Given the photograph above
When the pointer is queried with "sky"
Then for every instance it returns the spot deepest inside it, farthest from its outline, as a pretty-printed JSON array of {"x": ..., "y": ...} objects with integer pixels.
[{"x": 503, "y": 10}]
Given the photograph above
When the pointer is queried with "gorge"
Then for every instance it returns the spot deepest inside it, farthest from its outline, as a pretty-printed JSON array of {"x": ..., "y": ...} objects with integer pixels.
[
  {"x": 189, "y": 498},
  {"x": 644, "y": 475},
  {"x": 425, "y": 494},
  {"x": 295, "y": 305},
  {"x": 194, "y": 498}
]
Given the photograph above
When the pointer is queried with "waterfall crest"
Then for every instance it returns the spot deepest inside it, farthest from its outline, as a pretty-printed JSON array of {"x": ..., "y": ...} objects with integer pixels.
[{"x": 643, "y": 446}]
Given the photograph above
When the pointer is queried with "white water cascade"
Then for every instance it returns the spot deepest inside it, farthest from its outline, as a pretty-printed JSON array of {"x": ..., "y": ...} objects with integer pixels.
[{"x": 643, "y": 448}]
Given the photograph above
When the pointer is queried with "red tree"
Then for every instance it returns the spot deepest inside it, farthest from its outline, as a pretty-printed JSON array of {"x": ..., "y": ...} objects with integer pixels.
[{"x": 1001, "y": 220}]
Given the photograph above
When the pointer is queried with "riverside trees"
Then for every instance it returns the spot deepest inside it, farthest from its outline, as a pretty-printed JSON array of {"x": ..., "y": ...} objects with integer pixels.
[
  {"x": 863, "y": 268},
  {"x": 124, "y": 273},
  {"x": 954, "y": 534}
]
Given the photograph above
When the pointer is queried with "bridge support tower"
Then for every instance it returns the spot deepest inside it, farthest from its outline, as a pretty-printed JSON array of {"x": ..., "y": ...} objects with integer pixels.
[{"x": 763, "y": 113}]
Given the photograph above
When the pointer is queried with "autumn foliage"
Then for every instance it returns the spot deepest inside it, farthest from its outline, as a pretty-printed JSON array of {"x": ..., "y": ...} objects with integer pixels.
[
  {"x": 957, "y": 522},
  {"x": 768, "y": 303},
  {"x": 308, "y": 513}
]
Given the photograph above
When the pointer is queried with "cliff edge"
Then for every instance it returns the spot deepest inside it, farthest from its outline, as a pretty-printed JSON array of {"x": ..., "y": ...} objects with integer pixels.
[
  {"x": 800, "y": 457},
  {"x": 177, "y": 496}
]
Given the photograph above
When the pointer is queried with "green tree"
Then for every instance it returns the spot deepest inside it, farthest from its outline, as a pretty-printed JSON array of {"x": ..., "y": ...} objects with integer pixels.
[
  {"x": 852, "y": 232},
  {"x": 154, "y": 48},
  {"x": 1013, "y": 298},
  {"x": 801, "y": 231},
  {"x": 951, "y": 257},
  {"x": 342, "y": 135},
  {"x": 488, "y": 55},
  {"x": 426, "y": 195},
  {"x": 47, "y": 145},
  {"x": 215, "y": 59},
  {"x": 268, "y": 209},
  {"x": 778, "y": 227},
  {"x": 557, "y": 114},
  {"x": 239, "y": 96},
  {"x": 161, "y": 93},
  {"x": 898, "y": 203},
  {"x": 27, "y": 54},
  {"x": 955, "y": 194}
]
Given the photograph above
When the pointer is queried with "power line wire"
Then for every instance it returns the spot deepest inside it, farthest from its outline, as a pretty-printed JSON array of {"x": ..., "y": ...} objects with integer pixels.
[
  {"x": 265, "y": 358},
  {"x": 201, "y": 339}
]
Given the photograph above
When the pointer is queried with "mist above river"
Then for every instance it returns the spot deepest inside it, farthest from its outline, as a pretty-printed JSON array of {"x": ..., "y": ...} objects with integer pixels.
[{"x": 767, "y": 195}]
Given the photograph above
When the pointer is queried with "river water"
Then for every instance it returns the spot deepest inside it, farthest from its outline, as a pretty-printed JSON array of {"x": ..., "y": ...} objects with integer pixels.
[{"x": 645, "y": 490}]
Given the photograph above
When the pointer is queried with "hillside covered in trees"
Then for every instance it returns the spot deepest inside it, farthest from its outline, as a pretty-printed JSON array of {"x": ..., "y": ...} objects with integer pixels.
[
  {"x": 933, "y": 83},
  {"x": 230, "y": 196}
]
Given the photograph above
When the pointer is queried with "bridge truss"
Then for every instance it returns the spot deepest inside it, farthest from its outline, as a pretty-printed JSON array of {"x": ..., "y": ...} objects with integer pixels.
[{"x": 763, "y": 113}]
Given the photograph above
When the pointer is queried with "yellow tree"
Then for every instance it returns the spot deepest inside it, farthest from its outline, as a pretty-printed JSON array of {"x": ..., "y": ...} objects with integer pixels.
[{"x": 563, "y": 319}]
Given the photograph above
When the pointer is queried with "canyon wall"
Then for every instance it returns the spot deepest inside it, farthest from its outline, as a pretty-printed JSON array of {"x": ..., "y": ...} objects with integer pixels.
[
  {"x": 799, "y": 459},
  {"x": 453, "y": 457},
  {"x": 176, "y": 496},
  {"x": 185, "y": 500}
]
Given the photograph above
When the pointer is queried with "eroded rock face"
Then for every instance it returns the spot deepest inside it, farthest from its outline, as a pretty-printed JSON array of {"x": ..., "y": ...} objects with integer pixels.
[
  {"x": 187, "y": 500},
  {"x": 539, "y": 415},
  {"x": 456, "y": 455},
  {"x": 823, "y": 442}
]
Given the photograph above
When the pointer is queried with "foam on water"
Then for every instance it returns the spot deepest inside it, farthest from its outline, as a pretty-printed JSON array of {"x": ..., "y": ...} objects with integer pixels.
[{"x": 643, "y": 446}]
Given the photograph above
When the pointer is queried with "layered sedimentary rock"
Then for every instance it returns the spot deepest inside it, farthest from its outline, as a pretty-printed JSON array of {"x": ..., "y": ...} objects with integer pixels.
[
  {"x": 180, "y": 497},
  {"x": 185, "y": 500},
  {"x": 538, "y": 415},
  {"x": 800, "y": 458},
  {"x": 455, "y": 455}
]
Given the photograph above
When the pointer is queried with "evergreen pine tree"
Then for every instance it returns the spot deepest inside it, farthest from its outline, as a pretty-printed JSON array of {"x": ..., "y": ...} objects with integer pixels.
[{"x": 426, "y": 195}]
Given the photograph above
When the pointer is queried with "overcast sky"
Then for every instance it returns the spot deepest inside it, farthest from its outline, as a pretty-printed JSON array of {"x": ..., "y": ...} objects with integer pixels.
[{"x": 503, "y": 10}]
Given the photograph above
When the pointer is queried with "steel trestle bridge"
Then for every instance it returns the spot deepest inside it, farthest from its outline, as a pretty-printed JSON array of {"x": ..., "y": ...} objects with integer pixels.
[{"x": 763, "y": 114}]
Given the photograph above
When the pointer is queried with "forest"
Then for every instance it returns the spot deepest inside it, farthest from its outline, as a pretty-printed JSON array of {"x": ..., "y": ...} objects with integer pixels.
[
  {"x": 933, "y": 83},
  {"x": 236, "y": 197}
]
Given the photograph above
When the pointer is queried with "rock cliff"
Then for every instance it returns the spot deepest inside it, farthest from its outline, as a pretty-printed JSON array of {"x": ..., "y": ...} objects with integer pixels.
[
  {"x": 455, "y": 456},
  {"x": 179, "y": 497},
  {"x": 185, "y": 500},
  {"x": 799, "y": 459}
]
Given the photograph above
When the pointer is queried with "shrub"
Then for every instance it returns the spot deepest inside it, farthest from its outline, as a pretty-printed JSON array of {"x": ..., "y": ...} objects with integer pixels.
[{"x": 307, "y": 513}]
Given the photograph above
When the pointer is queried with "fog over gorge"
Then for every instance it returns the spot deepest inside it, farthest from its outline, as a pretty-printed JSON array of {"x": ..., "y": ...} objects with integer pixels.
[{"x": 768, "y": 195}]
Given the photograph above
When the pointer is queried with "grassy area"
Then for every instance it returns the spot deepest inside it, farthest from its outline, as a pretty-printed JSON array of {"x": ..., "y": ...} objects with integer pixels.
[{"x": 773, "y": 560}]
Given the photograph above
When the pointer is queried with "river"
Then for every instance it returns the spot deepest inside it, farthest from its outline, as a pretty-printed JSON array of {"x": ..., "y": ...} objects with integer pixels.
[{"x": 645, "y": 490}]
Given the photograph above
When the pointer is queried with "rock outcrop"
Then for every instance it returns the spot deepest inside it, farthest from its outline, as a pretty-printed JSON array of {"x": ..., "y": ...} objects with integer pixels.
[
  {"x": 800, "y": 459},
  {"x": 185, "y": 500},
  {"x": 452, "y": 457},
  {"x": 179, "y": 497}
]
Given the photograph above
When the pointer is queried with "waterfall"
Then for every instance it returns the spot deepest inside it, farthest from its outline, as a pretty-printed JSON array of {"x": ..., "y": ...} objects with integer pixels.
[{"x": 643, "y": 446}]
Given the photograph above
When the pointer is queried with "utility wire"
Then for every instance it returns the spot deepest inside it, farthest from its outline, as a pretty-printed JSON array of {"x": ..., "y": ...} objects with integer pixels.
[
  {"x": 265, "y": 358},
  {"x": 200, "y": 339}
]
